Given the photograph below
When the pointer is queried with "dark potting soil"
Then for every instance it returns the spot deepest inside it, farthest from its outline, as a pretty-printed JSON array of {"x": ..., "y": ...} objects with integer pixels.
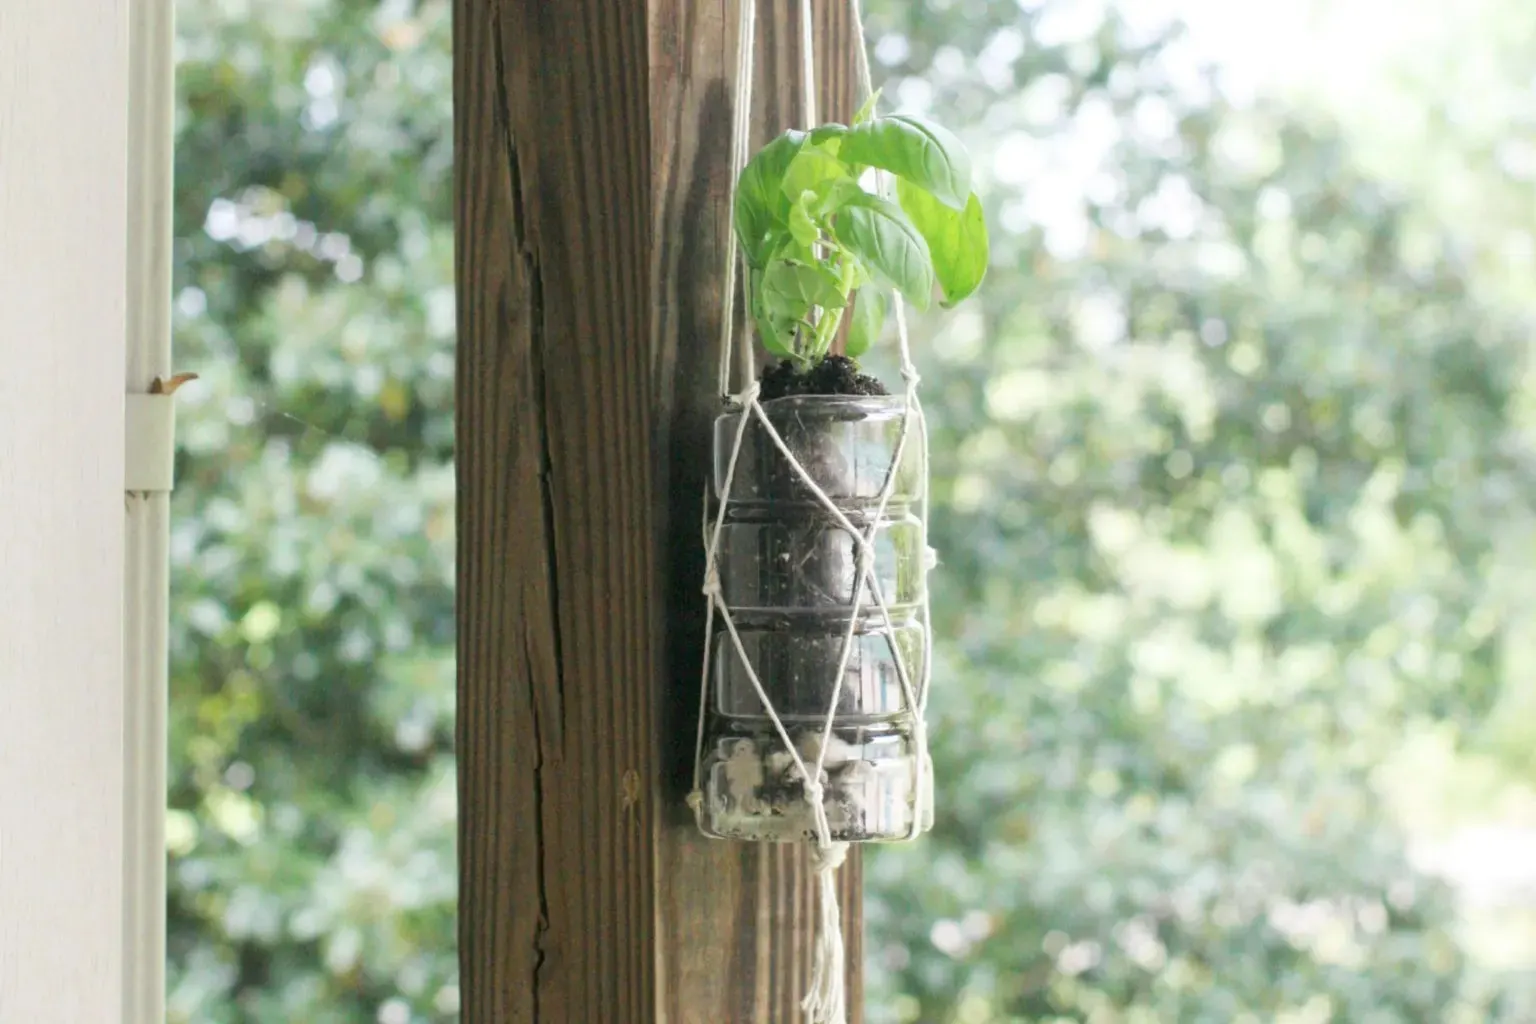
[{"x": 834, "y": 375}]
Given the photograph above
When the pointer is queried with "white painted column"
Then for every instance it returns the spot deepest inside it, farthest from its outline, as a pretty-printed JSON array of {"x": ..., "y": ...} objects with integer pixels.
[{"x": 83, "y": 260}]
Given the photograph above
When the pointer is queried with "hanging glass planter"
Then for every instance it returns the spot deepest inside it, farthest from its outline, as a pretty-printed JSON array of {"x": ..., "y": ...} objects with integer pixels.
[
  {"x": 817, "y": 646},
  {"x": 789, "y": 575}
]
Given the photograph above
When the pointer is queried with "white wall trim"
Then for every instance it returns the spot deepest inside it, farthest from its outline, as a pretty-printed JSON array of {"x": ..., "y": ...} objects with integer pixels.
[{"x": 84, "y": 298}]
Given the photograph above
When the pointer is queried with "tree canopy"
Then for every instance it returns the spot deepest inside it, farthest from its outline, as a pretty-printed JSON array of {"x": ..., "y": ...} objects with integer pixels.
[{"x": 1233, "y": 485}]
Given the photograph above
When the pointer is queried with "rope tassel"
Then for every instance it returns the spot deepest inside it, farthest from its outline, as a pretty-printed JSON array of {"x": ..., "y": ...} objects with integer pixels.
[{"x": 827, "y": 1001}]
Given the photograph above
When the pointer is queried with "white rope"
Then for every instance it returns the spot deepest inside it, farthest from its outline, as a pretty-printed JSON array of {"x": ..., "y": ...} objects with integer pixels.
[
  {"x": 828, "y": 998},
  {"x": 808, "y": 63},
  {"x": 741, "y": 137},
  {"x": 826, "y": 1001},
  {"x": 861, "y": 52}
]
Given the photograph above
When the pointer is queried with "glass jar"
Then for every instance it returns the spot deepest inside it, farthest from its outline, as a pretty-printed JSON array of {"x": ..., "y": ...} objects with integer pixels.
[{"x": 788, "y": 572}]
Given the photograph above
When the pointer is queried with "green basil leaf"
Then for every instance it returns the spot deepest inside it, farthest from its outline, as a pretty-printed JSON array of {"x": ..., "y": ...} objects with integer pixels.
[
  {"x": 869, "y": 307},
  {"x": 792, "y": 290},
  {"x": 882, "y": 238},
  {"x": 778, "y": 338},
  {"x": 867, "y": 110},
  {"x": 761, "y": 205},
  {"x": 812, "y": 170},
  {"x": 829, "y": 136},
  {"x": 802, "y": 228},
  {"x": 838, "y": 195},
  {"x": 926, "y": 154},
  {"x": 794, "y": 251},
  {"x": 957, "y": 240}
]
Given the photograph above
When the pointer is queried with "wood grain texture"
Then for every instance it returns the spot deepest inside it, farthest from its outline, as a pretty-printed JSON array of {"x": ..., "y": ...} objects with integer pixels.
[
  {"x": 591, "y": 140},
  {"x": 557, "y": 576},
  {"x": 735, "y": 919}
]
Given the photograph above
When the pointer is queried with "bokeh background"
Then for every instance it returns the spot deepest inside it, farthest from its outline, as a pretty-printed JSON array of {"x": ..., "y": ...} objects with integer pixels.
[{"x": 1235, "y": 475}]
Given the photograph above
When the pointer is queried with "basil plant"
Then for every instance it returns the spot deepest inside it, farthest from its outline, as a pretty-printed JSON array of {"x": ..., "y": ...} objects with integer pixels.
[{"x": 814, "y": 233}]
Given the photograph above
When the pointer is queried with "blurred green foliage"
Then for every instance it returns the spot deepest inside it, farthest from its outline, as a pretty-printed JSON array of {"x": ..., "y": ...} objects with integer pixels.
[
  {"x": 1233, "y": 485},
  {"x": 311, "y": 835}
]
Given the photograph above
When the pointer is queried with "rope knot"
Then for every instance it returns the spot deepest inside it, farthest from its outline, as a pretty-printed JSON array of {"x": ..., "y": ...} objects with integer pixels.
[
  {"x": 695, "y": 800},
  {"x": 711, "y": 588},
  {"x": 866, "y": 558},
  {"x": 749, "y": 394},
  {"x": 814, "y": 793},
  {"x": 910, "y": 375},
  {"x": 828, "y": 858}
]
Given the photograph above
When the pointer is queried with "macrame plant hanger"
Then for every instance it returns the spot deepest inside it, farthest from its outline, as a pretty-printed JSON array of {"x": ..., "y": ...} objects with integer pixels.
[{"x": 825, "y": 1002}]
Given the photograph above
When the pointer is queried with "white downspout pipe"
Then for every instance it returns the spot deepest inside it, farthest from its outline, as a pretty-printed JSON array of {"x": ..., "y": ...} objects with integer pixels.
[{"x": 151, "y": 121}]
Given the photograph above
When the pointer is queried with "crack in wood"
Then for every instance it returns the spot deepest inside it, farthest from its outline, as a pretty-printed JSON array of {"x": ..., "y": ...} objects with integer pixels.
[
  {"x": 546, "y": 697},
  {"x": 550, "y": 691},
  {"x": 590, "y": 197}
]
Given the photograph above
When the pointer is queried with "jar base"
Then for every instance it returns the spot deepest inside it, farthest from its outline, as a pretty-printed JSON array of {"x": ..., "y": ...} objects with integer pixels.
[{"x": 753, "y": 791}]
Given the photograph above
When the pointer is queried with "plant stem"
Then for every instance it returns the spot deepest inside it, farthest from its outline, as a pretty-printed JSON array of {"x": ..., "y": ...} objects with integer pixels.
[
  {"x": 826, "y": 330},
  {"x": 826, "y": 327}
]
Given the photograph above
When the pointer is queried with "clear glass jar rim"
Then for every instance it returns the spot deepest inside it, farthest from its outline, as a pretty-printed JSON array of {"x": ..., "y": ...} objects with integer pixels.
[{"x": 868, "y": 404}]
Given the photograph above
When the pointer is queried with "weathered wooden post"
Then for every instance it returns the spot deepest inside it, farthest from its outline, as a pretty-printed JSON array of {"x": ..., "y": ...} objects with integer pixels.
[{"x": 592, "y": 146}]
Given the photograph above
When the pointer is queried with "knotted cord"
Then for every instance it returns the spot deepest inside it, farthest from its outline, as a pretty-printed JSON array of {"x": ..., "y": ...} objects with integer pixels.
[{"x": 826, "y": 1002}]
